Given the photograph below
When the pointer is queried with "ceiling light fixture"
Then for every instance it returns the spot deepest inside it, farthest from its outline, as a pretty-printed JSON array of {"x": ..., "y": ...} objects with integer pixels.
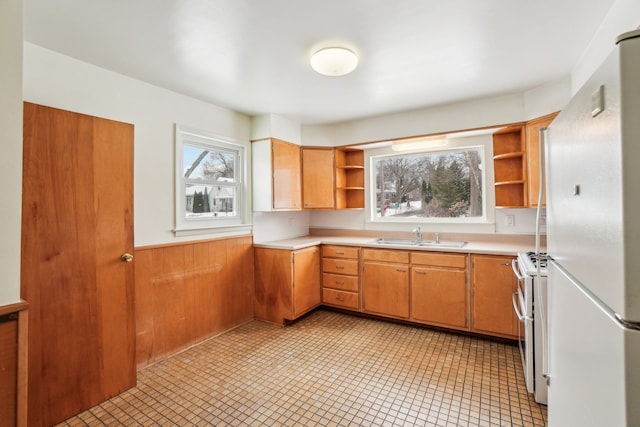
[
  {"x": 334, "y": 61},
  {"x": 419, "y": 143}
]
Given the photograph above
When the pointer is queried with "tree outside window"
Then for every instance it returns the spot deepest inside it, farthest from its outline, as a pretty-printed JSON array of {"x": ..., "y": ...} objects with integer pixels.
[{"x": 444, "y": 184}]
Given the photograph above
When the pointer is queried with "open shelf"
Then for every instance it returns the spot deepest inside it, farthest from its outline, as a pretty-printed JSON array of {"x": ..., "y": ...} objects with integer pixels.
[
  {"x": 509, "y": 167},
  {"x": 349, "y": 178}
]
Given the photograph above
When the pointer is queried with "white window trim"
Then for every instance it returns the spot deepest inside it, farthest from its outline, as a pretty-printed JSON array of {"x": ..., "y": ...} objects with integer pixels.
[
  {"x": 485, "y": 223},
  {"x": 239, "y": 224}
]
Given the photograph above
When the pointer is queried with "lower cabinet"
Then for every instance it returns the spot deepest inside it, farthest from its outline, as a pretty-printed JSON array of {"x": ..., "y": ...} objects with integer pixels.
[
  {"x": 385, "y": 282},
  {"x": 287, "y": 283},
  {"x": 450, "y": 290},
  {"x": 493, "y": 284},
  {"x": 340, "y": 276},
  {"x": 439, "y": 291}
]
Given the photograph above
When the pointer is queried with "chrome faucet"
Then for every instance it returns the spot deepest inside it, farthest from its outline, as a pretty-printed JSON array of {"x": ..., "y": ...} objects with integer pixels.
[
  {"x": 418, "y": 233},
  {"x": 437, "y": 237}
]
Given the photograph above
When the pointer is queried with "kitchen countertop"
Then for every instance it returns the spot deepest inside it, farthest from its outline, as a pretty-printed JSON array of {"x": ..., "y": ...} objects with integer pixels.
[{"x": 490, "y": 247}]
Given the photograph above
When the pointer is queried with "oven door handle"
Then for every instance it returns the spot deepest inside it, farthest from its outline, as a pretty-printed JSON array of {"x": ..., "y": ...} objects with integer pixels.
[
  {"x": 515, "y": 266},
  {"x": 521, "y": 317}
]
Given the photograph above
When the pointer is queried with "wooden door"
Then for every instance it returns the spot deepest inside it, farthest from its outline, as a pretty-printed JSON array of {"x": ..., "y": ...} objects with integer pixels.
[
  {"x": 439, "y": 296},
  {"x": 385, "y": 289},
  {"x": 306, "y": 280},
  {"x": 77, "y": 221},
  {"x": 493, "y": 286},
  {"x": 317, "y": 178},
  {"x": 286, "y": 175}
]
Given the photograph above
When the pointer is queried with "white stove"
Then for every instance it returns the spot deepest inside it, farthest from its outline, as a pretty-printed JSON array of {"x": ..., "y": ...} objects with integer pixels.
[
  {"x": 530, "y": 305},
  {"x": 528, "y": 263}
]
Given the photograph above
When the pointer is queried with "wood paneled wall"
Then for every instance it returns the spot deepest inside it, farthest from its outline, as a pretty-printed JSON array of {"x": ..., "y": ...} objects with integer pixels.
[{"x": 188, "y": 292}]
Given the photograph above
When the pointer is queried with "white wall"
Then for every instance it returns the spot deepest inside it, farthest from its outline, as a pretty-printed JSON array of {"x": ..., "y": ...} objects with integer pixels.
[
  {"x": 268, "y": 226},
  {"x": 623, "y": 16},
  {"x": 11, "y": 140},
  {"x": 60, "y": 81}
]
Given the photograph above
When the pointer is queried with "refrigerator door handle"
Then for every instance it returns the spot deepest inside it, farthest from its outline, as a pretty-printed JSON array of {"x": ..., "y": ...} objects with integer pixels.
[{"x": 627, "y": 324}]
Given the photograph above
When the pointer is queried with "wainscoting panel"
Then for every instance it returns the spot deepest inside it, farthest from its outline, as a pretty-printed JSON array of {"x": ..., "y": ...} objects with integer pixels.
[{"x": 188, "y": 292}]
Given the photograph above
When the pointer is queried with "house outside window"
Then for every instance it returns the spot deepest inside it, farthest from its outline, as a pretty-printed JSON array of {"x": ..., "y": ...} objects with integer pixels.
[{"x": 211, "y": 190}]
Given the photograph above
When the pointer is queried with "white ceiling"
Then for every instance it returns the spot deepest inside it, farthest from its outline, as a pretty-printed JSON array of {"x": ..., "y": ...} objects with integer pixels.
[{"x": 252, "y": 55}]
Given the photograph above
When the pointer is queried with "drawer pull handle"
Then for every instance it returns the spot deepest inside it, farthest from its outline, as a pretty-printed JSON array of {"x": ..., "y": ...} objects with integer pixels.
[
  {"x": 340, "y": 298},
  {"x": 339, "y": 253},
  {"x": 401, "y": 270},
  {"x": 340, "y": 267},
  {"x": 339, "y": 283},
  {"x": 421, "y": 272}
]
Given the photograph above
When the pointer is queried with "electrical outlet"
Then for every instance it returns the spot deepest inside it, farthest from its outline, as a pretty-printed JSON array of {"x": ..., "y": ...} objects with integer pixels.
[
  {"x": 543, "y": 219},
  {"x": 510, "y": 220}
]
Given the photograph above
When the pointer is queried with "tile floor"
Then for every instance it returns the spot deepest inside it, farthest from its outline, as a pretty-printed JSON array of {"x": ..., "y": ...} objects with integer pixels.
[{"x": 329, "y": 369}]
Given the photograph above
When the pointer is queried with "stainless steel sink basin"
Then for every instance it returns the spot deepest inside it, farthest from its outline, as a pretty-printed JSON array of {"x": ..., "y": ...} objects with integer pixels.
[{"x": 424, "y": 243}]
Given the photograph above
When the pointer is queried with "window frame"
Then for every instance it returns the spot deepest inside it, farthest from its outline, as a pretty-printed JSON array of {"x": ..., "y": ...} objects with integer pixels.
[
  {"x": 483, "y": 223},
  {"x": 185, "y": 136}
]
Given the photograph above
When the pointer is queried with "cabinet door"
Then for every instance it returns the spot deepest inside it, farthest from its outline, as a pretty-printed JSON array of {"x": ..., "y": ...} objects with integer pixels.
[
  {"x": 286, "y": 175},
  {"x": 306, "y": 280},
  {"x": 532, "y": 139},
  {"x": 385, "y": 289},
  {"x": 439, "y": 296},
  {"x": 493, "y": 286},
  {"x": 317, "y": 178}
]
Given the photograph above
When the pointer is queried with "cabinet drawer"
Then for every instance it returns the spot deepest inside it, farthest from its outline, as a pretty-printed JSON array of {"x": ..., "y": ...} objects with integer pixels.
[
  {"x": 340, "y": 298},
  {"x": 439, "y": 259},
  {"x": 340, "y": 251},
  {"x": 337, "y": 281},
  {"x": 340, "y": 266},
  {"x": 385, "y": 255}
]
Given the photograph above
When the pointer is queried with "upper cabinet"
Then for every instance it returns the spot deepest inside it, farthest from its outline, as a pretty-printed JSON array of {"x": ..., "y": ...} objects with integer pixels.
[
  {"x": 318, "y": 178},
  {"x": 532, "y": 144},
  {"x": 509, "y": 167},
  {"x": 349, "y": 178},
  {"x": 276, "y": 169},
  {"x": 516, "y": 163}
]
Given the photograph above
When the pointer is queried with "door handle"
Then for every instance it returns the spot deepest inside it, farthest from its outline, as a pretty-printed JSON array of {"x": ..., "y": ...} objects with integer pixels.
[{"x": 126, "y": 257}]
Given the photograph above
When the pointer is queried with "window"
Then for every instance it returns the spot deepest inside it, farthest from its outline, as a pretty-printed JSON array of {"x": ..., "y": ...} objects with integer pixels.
[
  {"x": 440, "y": 186},
  {"x": 210, "y": 181}
]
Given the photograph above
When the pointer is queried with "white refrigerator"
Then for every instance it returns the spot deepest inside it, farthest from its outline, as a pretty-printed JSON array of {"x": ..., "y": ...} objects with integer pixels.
[{"x": 593, "y": 239}]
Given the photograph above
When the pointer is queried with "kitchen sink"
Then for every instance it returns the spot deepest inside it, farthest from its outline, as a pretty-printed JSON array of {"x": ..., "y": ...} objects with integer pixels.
[{"x": 420, "y": 243}]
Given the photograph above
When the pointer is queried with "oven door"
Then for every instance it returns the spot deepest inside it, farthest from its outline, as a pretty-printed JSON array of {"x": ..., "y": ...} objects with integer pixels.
[{"x": 522, "y": 300}]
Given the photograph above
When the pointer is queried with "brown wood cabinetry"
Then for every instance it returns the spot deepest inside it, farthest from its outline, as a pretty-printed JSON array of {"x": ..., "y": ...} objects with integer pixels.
[
  {"x": 532, "y": 144},
  {"x": 385, "y": 282},
  {"x": 287, "y": 283},
  {"x": 516, "y": 151},
  {"x": 493, "y": 284},
  {"x": 340, "y": 276},
  {"x": 509, "y": 167},
  {"x": 276, "y": 169},
  {"x": 286, "y": 175},
  {"x": 349, "y": 178},
  {"x": 439, "y": 291},
  {"x": 318, "y": 184}
]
